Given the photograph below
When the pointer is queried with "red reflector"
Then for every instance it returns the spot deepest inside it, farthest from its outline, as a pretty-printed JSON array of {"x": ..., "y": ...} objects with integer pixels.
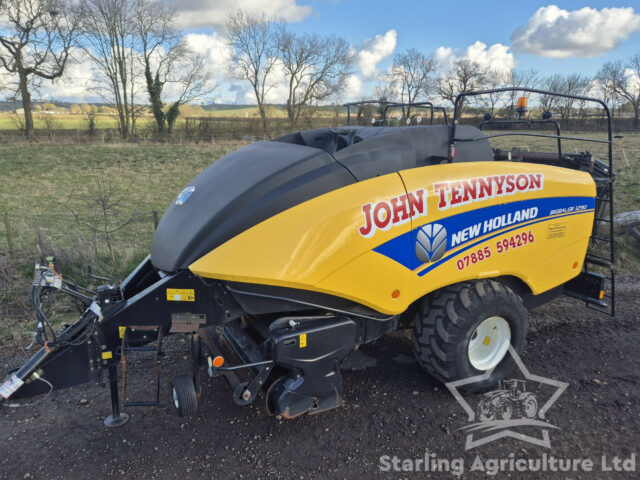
[{"x": 452, "y": 151}]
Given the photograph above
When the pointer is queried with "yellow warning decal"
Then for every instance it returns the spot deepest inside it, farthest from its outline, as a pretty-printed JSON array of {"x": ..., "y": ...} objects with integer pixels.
[
  {"x": 303, "y": 340},
  {"x": 121, "y": 331},
  {"x": 181, "y": 295},
  {"x": 107, "y": 355},
  {"x": 487, "y": 340}
]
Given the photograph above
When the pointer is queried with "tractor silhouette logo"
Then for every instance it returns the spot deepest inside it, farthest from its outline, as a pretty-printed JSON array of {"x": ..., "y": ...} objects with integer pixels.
[
  {"x": 431, "y": 242},
  {"x": 511, "y": 410},
  {"x": 511, "y": 400}
]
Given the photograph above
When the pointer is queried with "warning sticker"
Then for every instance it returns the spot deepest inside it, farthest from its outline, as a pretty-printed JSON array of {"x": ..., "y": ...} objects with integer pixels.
[
  {"x": 10, "y": 386},
  {"x": 303, "y": 340},
  {"x": 107, "y": 355},
  {"x": 121, "y": 331},
  {"x": 557, "y": 230},
  {"x": 181, "y": 295}
]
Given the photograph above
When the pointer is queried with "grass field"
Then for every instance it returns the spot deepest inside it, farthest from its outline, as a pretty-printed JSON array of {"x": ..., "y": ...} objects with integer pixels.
[{"x": 50, "y": 192}]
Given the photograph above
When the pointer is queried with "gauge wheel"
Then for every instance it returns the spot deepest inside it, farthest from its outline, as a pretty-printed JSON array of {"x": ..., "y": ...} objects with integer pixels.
[
  {"x": 184, "y": 395},
  {"x": 273, "y": 393}
]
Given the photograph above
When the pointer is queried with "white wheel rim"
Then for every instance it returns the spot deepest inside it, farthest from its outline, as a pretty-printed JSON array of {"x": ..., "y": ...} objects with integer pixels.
[
  {"x": 174, "y": 394},
  {"x": 489, "y": 343}
]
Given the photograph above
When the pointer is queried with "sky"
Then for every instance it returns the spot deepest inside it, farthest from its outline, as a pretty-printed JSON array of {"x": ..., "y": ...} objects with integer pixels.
[{"x": 562, "y": 37}]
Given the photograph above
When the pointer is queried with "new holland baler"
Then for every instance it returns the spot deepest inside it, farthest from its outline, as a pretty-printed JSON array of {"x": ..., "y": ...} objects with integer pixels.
[{"x": 282, "y": 257}]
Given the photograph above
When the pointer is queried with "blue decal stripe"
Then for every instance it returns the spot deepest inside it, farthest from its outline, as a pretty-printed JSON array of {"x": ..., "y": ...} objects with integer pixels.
[
  {"x": 467, "y": 227},
  {"x": 458, "y": 252}
]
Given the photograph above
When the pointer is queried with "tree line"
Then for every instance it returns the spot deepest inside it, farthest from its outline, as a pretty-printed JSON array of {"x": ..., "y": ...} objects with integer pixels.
[{"x": 138, "y": 51}]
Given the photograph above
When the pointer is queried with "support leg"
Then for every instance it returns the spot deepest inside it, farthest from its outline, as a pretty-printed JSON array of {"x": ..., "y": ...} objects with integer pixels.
[{"x": 116, "y": 418}]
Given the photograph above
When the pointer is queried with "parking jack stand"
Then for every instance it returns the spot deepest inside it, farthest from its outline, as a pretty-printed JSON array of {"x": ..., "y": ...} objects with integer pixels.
[{"x": 116, "y": 418}]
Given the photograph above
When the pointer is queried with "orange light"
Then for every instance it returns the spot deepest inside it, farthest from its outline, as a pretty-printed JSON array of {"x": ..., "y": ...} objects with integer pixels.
[
  {"x": 601, "y": 294},
  {"x": 522, "y": 104},
  {"x": 575, "y": 265},
  {"x": 218, "y": 362},
  {"x": 395, "y": 294}
]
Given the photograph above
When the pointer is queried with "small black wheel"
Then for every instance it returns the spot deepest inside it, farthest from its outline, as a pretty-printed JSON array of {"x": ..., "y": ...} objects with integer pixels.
[
  {"x": 183, "y": 394},
  {"x": 273, "y": 394},
  {"x": 466, "y": 329}
]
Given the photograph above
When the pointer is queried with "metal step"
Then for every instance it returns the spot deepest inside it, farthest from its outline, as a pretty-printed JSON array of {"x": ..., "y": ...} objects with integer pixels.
[{"x": 124, "y": 349}]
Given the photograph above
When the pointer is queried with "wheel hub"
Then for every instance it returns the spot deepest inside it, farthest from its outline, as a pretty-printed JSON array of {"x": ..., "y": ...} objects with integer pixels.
[
  {"x": 174, "y": 394},
  {"x": 489, "y": 343}
]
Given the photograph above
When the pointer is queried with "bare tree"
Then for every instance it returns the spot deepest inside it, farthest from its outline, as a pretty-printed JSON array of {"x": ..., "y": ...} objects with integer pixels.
[
  {"x": 623, "y": 80},
  {"x": 254, "y": 53},
  {"x": 412, "y": 76},
  {"x": 36, "y": 40},
  {"x": 553, "y": 83},
  {"x": 316, "y": 69},
  {"x": 494, "y": 79},
  {"x": 570, "y": 84},
  {"x": 108, "y": 32},
  {"x": 606, "y": 91},
  {"x": 465, "y": 75},
  {"x": 167, "y": 59},
  {"x": 574, "y": 84}
]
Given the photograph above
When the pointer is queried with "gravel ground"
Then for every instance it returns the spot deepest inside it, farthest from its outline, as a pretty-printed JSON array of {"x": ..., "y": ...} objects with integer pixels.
[{"x": 391, "y": 409}]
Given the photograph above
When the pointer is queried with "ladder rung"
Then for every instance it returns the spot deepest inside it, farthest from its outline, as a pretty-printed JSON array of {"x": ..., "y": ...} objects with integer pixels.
[
  {"x": 599, "y": 309},
  {"x": 150, "y": 403},
  {"x": 598, "y": 262},
  {"x": 599, "y": 257},
  {"x": 602, "y": 239},
  {"x": 603, "y": 220}
]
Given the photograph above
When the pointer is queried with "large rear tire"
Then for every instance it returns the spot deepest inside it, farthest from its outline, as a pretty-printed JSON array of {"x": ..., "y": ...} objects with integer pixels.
[{"x": 465, "y": 330}]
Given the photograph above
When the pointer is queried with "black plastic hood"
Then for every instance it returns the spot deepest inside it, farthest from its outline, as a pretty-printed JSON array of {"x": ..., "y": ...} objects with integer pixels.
[{"x": 239, "y": 191}]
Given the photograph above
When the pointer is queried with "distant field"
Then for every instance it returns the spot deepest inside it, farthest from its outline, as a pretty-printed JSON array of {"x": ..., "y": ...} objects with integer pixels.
[
  {"x": 63, "y": 121},
  {"x": 67, "y": 121}
]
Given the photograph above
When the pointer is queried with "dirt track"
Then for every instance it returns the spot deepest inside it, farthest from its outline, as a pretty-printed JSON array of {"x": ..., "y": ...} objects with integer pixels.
[{"x": 391, "y": 408}]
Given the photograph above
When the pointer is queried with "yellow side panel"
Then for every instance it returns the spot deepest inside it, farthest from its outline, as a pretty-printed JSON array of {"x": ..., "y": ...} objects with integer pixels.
[
  {"x": 345, "y": 243},
  {"x": 301, "y": 246}
]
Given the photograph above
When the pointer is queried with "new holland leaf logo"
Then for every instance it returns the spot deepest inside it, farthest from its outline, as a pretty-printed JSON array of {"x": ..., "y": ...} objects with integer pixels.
[{"x": 431, "y": 242}]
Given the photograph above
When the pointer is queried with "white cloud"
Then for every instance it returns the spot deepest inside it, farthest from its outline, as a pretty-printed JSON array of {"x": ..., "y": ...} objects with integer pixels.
[
  {"x": 445, "y": 56},
  {"x": 77, "y": 83},
  {"x": 587, "y": 32},
  {"x": 353, "y": 91},
  {"x": 495, "y": 57},
  {"x": 633, "y": 79},
  {"x": 213, "y": 47},
  {"x": 212, "y": 13},
  {"x": 374, "y": 50}
]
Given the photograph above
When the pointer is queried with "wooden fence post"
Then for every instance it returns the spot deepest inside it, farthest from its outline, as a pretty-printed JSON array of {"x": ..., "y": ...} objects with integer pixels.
[{"x": 7, "y": 227}]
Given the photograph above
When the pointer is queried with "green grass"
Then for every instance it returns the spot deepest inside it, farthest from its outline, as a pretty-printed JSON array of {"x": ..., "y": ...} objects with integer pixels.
[{"x": 56, "y": 178}]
